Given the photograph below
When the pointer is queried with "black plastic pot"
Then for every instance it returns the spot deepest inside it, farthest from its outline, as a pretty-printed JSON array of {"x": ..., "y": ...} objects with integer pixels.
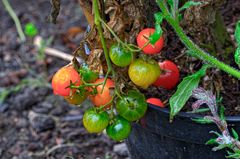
[{"x": 155, "y": 138}]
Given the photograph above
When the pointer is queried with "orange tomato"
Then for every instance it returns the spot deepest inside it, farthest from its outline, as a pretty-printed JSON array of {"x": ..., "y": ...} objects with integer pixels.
[
  {"x": 62, "y": 79},
  {"x": 102, "y": 97}
]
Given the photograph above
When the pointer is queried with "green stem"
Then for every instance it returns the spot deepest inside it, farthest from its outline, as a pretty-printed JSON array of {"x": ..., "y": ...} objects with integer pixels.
[
  {"x": 192, "y": 46},
  {"x": 97, "y": 22},
  {"x": 15, "y": 19}
]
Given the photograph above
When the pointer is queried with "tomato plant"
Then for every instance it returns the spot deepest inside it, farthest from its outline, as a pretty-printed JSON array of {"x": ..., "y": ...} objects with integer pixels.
[
  {"x": 155, "y": 101},
  {"x": 143, "y": 39},
  {"x": 62, "y": 80},
  {"x": 169, "y": 76},
  {"x": 119, "y": 129},
  {"x": 95, "y": 122},
  {"x": 76, "y": 98},
  {"x": 102, "y": 97},
  {"x": 120, "y": 56},
  {"x": 87, "y": 74},
  {"x": 143, "y": 73},
  {"x": 132, "y": 106}
]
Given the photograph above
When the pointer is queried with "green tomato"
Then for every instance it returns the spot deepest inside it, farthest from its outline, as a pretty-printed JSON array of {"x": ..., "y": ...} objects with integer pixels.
[
  {"x": 87, "y": 74},
  {"x": 120, "y": 56},
  {"x": 132, "y": 106},
  {"x": 95, "y": 122},
  {"x": 143, "y": 73},
  {"x": 119, "y": 129}
]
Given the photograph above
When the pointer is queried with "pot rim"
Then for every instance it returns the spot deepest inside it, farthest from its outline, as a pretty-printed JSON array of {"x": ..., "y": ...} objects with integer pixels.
[{"x": 191, "y": 115}]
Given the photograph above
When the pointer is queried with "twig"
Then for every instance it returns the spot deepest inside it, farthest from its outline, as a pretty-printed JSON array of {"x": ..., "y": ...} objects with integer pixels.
[
  {"x": 15, "y": 19},
  {"x": 54, "y": 52}
]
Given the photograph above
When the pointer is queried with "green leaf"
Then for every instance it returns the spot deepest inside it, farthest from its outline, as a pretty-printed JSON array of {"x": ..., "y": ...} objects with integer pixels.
[
  {"x": 237, "y": 56},
  {"x": 202, "y": 120},
  {"x": 170, "y": 3},
  {"x": 222, "y": 112},
  {"x": 30, "y": 29},
  {"x": 188, "y": 5},
  {"x": 158, "y": 29},
  {"x": 184, "y": 91},
  {"x": 237, "y": 33},
  {"x": 211, "y": 142},
  {"x": 235, "y": 134}
]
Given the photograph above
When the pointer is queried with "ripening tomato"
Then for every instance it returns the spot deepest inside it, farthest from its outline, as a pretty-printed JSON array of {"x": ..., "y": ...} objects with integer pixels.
[
  {"x": 120, "y": 56},
  {"x": 76, "y": 98},
  {"x": 102, "y": 98},
  {"x": 142, "y": 39},
  {"x": 155, "y": 101},
  {"x": 169, "y": 76},
  {"x": 132, "y": 106},
  {"x": 143, "y": 73},
  {"x": 119, "y": 129},
  {"x": 62, "y": 79},
  {"x": 95, "y": 122}
]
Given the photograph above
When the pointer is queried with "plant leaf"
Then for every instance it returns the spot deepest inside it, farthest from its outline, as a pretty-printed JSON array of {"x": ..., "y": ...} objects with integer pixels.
[
  {"x": 158, "y": 29},
  {"x": 237, "y": 33},
  {"x": 184, "y": 91},
  {"x": 237, "y": 56},
  {"x": 188, "y": 5},
  {"x": 235, "y": 134},
  {"x": 202, "y": 120},
  {"x": 211, "y": 142}
]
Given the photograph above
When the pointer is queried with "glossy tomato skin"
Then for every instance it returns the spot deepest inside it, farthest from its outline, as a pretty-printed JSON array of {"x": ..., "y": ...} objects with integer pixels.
[
  {"x": 142, "y": 39},
  {"x": 120, "y": 56},
  {"x": 143, "y": 73},
  {"x": 88, "y": 75},
  {"x": 95, "y": 122},
  {"x": 105, "y": 97},
  {"x": 132, "y": 106},
  {"x": 62, "y": 79},
  {"x": 155, "y": 101},
  {"x": 119, "y": 129},
  {"x": 169, "y": 76},
  {"x": 76, "y": 98}
]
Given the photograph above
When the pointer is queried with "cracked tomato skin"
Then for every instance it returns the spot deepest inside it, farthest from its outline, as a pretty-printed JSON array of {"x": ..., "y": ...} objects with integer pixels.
[
  {"x": 169, "y": 76},
  {"x": 156, "y": 102},
  {"x": 142, "y": 39},
  {"x": 119, "y": 129},
  {"x": 143, "y": 73},
  {"x": 132, "y": 106},
  {"x": 105, "y": 97},
  {"x": 62, "y": 79},
  {"x": 95, "y": 122}
]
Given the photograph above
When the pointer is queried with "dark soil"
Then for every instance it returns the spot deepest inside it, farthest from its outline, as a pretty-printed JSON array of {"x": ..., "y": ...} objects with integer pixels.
[{"x": 36, "y": 124}]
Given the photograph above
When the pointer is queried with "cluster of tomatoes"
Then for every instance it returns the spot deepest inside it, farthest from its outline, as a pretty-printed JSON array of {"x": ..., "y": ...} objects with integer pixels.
[{"x": 77, "y": 85}]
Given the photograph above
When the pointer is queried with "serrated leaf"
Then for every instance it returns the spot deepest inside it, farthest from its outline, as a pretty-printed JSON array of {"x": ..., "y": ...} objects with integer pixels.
[
  {"x": 184, "y": 91},
  {"x": 237, "y": 56},
  {"x": 202, "y": 120},
  {"x": 235, "y": 134},
  {"x": 211, "y": 142},
  {"x": 237, "y": 33},
  {"x": 188, "y": 5}
]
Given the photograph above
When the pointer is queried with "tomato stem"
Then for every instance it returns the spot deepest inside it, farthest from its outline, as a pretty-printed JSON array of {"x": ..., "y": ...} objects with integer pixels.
[{"x": 201, "y": 54}]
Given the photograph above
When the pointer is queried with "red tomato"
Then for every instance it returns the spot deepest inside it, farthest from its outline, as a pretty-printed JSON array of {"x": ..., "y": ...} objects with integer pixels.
[
  {"x": 155, "y": 101},
  {"x": 142, "y": 39},
  {"x": 105, "y": 97},
  {"x": 62, "y": 79},
  {"x": 169, "y": 76}
]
